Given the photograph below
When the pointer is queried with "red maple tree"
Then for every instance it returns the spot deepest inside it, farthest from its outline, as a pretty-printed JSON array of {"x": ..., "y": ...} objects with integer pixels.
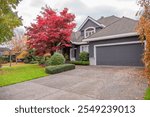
[{"x": 51, "y": 32}]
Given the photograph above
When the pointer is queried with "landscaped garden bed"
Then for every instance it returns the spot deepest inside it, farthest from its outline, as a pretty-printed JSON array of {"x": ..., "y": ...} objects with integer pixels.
[
  {"x": 80, "y": 62},
  {"x": 23, "y": 72},
  {"x": 83, "y": 59},
  {"x": 57, "y": 64}
]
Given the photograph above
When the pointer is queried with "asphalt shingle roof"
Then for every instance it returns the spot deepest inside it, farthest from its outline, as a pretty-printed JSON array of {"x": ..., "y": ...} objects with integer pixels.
[
  {"x": 108, "y": 20},
  {"x": 114, "y": 25},
  {"x": 76, "y": 37},
  {"x": 122, "y": 26}
]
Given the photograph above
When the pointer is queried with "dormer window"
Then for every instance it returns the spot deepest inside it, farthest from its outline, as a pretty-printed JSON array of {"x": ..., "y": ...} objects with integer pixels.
[{"x": 89, "y": 31}]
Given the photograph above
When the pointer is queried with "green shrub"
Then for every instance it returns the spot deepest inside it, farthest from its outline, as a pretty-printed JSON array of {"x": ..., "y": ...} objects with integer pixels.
[
  {"x": 66, "y": 57},
  {"x": 84, "y": 56},
  {"x": 30, "y": 57},
  {"x": 80, "y": 62},
  {"x": 57, "y": 59},
  {"x": 47, "y": 63},
  {"x": 147, "y": 94},
  {"x": 3, "y": 59},
  {"x": 42, "y": 61},
  {"x": 59, "y": 68},
  {"x": 34, "y": 62},
  {"x": 26, "y": 61}
]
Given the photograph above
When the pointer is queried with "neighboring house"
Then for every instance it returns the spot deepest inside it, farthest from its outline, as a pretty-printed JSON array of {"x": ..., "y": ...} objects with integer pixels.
[
  {"x": 2, "y": 50},
  {"x": 109, "y": 41}
]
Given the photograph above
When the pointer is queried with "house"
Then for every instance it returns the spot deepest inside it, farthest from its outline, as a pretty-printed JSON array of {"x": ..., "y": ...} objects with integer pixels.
[
  {"x": 2, "y": 50},
  {"x": 109, "y": 41}
]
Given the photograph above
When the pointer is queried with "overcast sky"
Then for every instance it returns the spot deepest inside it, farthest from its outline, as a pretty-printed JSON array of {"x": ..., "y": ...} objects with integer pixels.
[{"x": 29, "y": 9}]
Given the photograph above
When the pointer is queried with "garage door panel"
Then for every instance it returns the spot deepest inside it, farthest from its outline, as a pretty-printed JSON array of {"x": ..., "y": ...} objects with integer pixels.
[{"x": 126, "y": 55}]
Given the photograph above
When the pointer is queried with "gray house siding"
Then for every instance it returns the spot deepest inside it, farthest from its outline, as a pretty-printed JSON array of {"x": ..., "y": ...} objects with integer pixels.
[
  {"x": 82, "y": 33},
  {"x": 91, "y": 44},
  {"x": 77, "y": 52},
  {"x": 73, "y": 54}
]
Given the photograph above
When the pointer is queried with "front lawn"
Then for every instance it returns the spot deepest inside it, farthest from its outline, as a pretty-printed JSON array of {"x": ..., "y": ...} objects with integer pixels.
[
  {"x": 16, "y": 74},
  {"x": 147, "y": 94}
]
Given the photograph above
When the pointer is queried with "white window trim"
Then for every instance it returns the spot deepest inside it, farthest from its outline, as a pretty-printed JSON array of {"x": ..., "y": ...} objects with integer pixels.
[
  {"x": 111, "y": 44},
  {"x": 84, "y": 46},
  {"x": 87, "y": 29}
]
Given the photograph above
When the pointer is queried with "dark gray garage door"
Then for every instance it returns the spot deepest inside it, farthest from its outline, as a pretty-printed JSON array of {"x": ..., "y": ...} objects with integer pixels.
[{"x": 125, "y": 55}]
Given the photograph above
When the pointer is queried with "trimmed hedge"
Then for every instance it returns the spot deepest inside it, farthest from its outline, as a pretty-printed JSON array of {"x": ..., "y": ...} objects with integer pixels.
[
  {"x": 80, "y": 62},
  {"x": 59, "y": 68}
]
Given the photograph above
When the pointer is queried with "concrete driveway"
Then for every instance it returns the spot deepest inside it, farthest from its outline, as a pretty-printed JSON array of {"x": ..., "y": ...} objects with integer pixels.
[{"x": 89, "y": 82}]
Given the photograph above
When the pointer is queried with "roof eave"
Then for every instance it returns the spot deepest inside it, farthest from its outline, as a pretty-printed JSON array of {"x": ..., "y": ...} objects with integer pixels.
[
  {"x": 79, "y": 43},
  {"x": 111, "y": 37}
]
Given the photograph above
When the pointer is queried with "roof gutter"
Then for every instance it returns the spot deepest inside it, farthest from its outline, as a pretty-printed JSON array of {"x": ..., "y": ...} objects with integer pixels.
[
  {"x": 111, "y": 37},
  {"x": 78, "y": 43}
]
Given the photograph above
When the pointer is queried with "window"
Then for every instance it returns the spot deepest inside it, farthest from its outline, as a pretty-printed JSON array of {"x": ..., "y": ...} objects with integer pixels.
[
  {"x": 89, "y": 31},
  {"x": 84, "y": 48}
]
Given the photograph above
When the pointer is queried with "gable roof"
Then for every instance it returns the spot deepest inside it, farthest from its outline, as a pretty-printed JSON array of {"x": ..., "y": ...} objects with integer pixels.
[
  {"x": 108, "y": 20},
  {"x": 76, "y": 38},
  {"x": 93, "y": 20},
  {"x": 123, "y": 26}
]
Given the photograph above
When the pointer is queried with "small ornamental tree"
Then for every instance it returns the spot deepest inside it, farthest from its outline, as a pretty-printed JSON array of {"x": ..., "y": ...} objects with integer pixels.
[
  {"x": 51, "y": 32},
  {"x": 143, "y": 30}
]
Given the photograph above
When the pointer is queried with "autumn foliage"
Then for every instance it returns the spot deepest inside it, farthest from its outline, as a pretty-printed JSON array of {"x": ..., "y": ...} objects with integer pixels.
[
  {"x": 51, "y": 32},
  {"x": 144, "y": 32}
]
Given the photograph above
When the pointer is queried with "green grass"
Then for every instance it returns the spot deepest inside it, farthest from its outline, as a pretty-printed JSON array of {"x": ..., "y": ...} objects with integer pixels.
[
  {"x": 147, "y": 94},
  {"x": 21, "y": 73}
]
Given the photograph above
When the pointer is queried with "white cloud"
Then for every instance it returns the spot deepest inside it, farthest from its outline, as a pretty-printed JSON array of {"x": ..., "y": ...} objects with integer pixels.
[
  {"x": 29, "y": 9},
  {"x": 37, "y": 3}
]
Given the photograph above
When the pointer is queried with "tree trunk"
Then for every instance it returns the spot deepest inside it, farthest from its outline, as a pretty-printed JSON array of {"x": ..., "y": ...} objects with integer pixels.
[
  {"x": 16, "y": 58},
  {"x": 10, "y": 59},
  {"x": 16, "y": 61}
]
